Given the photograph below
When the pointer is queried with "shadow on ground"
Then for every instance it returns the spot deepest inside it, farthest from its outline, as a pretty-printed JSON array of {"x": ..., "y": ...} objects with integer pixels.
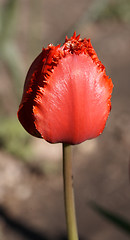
[{"x": 26, "y": 231}]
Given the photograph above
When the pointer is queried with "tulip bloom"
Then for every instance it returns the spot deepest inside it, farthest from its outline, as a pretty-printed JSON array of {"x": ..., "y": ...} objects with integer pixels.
[{"x": 67, "y": 93}]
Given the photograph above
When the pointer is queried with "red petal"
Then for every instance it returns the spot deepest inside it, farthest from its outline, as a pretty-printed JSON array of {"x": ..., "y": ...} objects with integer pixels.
[
  {"x": 67, "y": 94},
  {"x": 75, "y": 102}
]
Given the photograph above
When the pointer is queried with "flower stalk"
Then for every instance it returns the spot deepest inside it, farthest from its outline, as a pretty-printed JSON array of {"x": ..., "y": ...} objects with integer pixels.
[{"x": 69, "y": 193}]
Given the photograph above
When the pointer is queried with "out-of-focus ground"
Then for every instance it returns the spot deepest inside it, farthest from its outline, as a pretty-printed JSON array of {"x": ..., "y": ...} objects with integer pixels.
[{"x": 31, "y": 187}]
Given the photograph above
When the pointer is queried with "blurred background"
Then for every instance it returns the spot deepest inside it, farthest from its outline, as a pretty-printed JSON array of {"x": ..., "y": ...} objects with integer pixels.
[{"x": 31, "y": 187}]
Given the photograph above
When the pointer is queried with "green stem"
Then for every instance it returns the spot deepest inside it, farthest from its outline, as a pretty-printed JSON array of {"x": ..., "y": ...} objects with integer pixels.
[{"x": 68, "y": 193}]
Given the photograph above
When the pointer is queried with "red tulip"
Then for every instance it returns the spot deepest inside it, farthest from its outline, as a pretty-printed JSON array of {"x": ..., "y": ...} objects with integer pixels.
[{"x": 66, "y": 94}]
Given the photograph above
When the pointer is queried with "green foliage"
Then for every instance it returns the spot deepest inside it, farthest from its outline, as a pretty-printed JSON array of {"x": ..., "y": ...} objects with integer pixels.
[
  {"x": 10, "y": 55},
  {"x": 14, "y": 139},
  {"x": 7, "y": 16},
  {"x": 118, "y": 10}
]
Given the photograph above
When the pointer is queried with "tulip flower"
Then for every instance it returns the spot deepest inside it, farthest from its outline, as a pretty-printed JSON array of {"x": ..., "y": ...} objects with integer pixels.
[
  {"x": 67, "y": 99},
  {"x": 67, "y": 93}
]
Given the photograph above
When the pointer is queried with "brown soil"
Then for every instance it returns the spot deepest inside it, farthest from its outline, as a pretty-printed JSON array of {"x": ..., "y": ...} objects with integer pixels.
[{"x": 31, "y": 201}]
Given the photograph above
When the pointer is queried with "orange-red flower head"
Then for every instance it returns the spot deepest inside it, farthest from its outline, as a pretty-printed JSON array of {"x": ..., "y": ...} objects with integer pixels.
[{"x": 66, "y": 94}]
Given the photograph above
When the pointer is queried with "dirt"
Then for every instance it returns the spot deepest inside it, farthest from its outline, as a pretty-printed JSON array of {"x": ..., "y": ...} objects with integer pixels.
[{"x": 31, "y": 201}]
